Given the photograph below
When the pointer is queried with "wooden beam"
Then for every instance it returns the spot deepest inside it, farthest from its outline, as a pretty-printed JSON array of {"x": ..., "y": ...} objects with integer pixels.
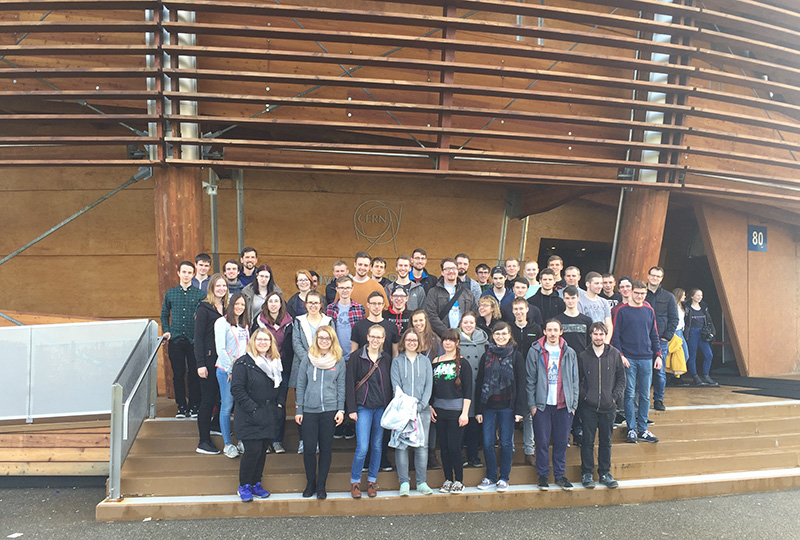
[
  {"x": 546, "y": 198},
  {"x": 644, "y": 215}
]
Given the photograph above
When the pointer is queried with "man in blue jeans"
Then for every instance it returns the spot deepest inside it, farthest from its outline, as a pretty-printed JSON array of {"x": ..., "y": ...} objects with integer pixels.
[
  {"x": 666, "y": 323},
  {"x": 636, "y": 337}
]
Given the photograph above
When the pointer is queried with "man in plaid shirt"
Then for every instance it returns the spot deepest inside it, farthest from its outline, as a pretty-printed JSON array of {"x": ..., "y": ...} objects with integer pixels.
[
  {"x": 345, "y": 314},
  {"x": 177, "y": 324}
]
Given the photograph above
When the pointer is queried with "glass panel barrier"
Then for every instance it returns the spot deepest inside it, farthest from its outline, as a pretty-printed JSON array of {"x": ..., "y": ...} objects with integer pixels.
[{"x": 14, "y": 365}]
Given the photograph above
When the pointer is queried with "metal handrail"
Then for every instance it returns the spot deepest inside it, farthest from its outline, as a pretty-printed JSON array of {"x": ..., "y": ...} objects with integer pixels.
[{"x": 121, "y": 432}]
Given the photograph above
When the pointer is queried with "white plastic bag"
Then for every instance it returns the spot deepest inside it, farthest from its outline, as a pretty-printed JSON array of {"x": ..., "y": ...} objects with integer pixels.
[{"x": 400, "y": 411}]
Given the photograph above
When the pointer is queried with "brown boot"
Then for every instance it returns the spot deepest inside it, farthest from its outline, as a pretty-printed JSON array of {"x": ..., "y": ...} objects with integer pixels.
[
  {"x": 372, "y": 489},
  {"x": 355, "y": 491},
  {"x": 530, "y": 460}
]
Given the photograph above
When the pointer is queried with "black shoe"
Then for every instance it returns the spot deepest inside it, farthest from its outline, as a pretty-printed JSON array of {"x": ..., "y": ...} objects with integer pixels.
[
  {"x": 350, "y": 431},
  {"x": 386, "y": 467},
  {"x": 577, "y": 438},
  {"x": 194, "y": 411},
  {"x": 206, "y": 447},
  {"x": 564, "y": 484},
  {"x": 477, "y": 463},
  {"x": 587, "y": 481},
  {"x": 619, "y": 419},
  {"x": 698, "y": 381},
  {"x": 543, "y": 484},
  {"x": 338, "y": 433},
  {"x": 659, "y": 405},
  {"x": 709, "y": 381},
  {"x": 433, "y": 462},
  {"x": 608, "y": 481},
  {"x": 322, "y": 494},
  {"x": 309, "y": 491},
  {"x": 183, "y": 412}
]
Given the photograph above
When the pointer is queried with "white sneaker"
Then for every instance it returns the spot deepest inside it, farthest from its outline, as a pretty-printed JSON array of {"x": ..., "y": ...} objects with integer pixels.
[
  {"x": 230, "y": 451},
  {"x": 300, "y": 448},
  {"x": 240, "y": 447},
  {"x": 485, "y": 484},
  {"x": 502, "y": 485}
]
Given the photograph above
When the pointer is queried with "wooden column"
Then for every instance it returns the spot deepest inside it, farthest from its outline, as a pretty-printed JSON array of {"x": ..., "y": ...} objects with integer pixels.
[
  {"x": 179, "y": 234},
  {"x": 644, "y": 214}
]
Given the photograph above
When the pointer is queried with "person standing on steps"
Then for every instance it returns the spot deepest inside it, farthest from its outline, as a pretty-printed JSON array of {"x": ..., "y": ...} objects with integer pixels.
[{"x": 257, "y": 389}]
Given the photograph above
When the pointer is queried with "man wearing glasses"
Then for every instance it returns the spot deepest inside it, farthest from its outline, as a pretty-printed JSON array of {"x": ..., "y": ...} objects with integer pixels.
[
  {"x": 636, "y": 337},
  {"x": 358, "y": 338},
  {"x": 666, "y": 322},
  {"x": 449, "y": 299},
  {"x": 345, "y": 312}
]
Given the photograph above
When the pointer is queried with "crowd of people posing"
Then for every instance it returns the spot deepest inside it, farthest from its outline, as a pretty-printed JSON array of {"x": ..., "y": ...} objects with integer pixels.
[{"x": 458, "y": 360}]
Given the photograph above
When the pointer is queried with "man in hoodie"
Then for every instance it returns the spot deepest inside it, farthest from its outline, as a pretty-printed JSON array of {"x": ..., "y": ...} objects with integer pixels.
[
  {"x": 449, "y": 299},
  {"x": 548, "y": 301},
  {"x": 414, "y": 291},
  {"x": 602, "y": 383},
  {"x": 553, "y": 389}
]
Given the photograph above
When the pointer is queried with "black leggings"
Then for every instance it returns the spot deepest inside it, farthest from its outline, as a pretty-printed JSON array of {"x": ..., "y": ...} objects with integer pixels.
[
  {"x": 317, "y": 428},
  {"x": 209, "y": 396},
  {"x": 251, "y": 466},
  {"x": 450, "y": 437}
]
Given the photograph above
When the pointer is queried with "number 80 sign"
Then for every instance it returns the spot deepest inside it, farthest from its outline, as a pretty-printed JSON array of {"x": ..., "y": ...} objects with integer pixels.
[{"x": 756, "y": 238}]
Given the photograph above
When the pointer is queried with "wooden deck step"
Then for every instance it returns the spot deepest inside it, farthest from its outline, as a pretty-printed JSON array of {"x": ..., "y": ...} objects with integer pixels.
[{"x": 472, "y": 500}]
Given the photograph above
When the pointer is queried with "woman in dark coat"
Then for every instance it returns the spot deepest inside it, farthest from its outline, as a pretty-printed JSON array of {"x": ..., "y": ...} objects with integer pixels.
[{"x": 257, "y": 387}]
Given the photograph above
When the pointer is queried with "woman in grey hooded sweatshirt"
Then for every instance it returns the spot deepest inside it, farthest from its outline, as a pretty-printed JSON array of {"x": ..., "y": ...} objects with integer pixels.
[
  {"x": 412, "y": 372},
  {"x": 474, "y": 343}
]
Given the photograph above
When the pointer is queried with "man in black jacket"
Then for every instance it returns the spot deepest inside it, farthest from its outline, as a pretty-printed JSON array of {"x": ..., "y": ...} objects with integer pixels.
[
  {"x": 602, "y": 382},
  {"x": 448, "y": 300},
  {"x": 663, "y": 303}
]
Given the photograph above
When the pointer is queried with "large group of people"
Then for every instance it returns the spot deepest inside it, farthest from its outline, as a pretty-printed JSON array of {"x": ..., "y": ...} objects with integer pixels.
[{"x": 468, "y": 357}]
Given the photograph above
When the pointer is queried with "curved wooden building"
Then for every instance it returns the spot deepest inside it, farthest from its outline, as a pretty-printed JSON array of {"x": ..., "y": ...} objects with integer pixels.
[{"x": 661, "y": 131}]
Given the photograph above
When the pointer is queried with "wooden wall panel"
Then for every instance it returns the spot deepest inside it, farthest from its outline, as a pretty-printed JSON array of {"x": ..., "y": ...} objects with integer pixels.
[
  {"x": 643, "y": 217},
  {"x": 759, "y": 291}
]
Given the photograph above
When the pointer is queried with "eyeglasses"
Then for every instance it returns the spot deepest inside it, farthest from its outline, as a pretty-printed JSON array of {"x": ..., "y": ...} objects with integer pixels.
[
  {"x": 374, "y": 337},
  {"x": 313, "y": 303},
  {"x": 263, "y": 340},
  {"x": 449, "y": 269},
  {"x": 344, "y": 288},
  {"x": 375, "y": 303},
  {"x": 324, "y": 338},
  {"x": 303, "y": 280}
]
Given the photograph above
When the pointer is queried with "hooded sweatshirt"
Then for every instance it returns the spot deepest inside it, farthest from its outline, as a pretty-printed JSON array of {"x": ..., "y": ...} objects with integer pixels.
[
  {"x": 414, "y": 378},
  {"x": 472, "y": 349}
]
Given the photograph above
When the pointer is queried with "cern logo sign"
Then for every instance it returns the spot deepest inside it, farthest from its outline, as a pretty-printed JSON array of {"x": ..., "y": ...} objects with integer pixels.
[{"x": 377, "y": 222}]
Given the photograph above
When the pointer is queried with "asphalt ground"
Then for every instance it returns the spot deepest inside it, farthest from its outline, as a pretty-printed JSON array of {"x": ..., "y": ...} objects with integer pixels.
[{"x": 68, "y": 513}]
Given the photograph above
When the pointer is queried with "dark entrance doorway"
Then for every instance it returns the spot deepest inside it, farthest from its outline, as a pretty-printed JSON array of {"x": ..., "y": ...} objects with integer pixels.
[{"x": 587, "y": 256}]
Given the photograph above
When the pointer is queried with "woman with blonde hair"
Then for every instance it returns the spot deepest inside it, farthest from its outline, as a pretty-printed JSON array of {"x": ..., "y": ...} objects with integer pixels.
[
  {"x": 205, "y": 354},
  {"x": 488, "y": 314},
  {"x": 320, "y": 406},
  {"x": 257, "y": 386}
]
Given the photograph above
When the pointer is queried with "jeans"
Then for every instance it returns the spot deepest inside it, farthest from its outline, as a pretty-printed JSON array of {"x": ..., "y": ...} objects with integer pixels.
[
  {"x": 181, "y": 355},
  {"x": 660, "y": 375},
  {"x": 639, "y": 376},
  {"x": 251, "y": 467},
  {"x": 226, "y": 405},
  {"x": 696, "y": 342},
  {"x": 552, "y": 425},
  {"x": 420, "y": 455},
  {"x": 527, "y": 434},
  {"x": 593, "y": 421},
  {"x": 494, "y": 419},
  {"x": 451, "y": 437},
  {"x": 317, "y": 428},
  {"x": 369, "y": 436}
]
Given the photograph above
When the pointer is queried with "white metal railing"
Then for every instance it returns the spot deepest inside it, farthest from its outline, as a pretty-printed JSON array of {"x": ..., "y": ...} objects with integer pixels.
[{"x": 133, "y": 398}]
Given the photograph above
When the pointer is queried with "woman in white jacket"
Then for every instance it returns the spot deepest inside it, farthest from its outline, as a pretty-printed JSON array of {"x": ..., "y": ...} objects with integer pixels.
[{"x": 231, "y": 336}]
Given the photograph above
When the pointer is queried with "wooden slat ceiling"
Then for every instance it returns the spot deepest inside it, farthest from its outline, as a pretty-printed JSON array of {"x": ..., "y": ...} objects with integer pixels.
[{"x": 706, "y": 96}]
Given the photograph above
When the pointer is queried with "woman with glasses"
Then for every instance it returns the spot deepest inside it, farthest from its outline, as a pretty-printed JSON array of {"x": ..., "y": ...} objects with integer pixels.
[
  {"x": 488, "y": 313},
  {"x": 257, "y": 388},
  {"x": 500, "y": 400},
  {"x": 296, "y": 305},
  {"x": 412, "y": 372},
  {"x": 303, "y": 331},
  {"x": 320, "y": 406},
  {"x": 368, "y": 391}
]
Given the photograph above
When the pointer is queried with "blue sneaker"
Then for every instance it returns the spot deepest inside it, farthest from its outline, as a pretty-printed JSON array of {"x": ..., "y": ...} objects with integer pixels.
[
  {"x": 259, "y": 491},
  {"x": 245, "y": 494}
]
